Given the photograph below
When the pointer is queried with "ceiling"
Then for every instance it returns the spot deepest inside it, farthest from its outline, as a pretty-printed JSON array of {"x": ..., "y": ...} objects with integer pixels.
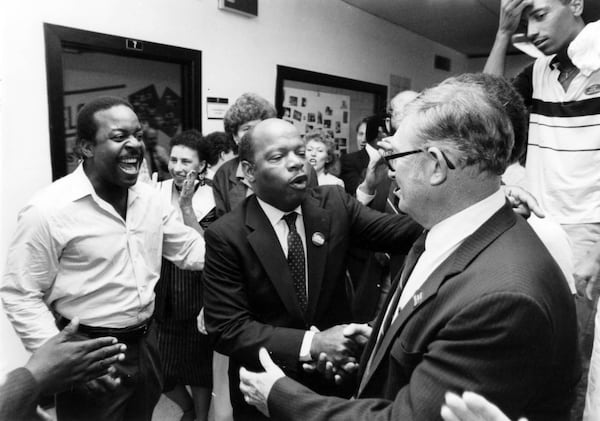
[{"x": 468, "y": 26}]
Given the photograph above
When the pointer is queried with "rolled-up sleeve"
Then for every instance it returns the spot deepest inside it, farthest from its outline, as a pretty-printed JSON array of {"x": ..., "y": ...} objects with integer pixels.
[{"x": 182, "y": 245}]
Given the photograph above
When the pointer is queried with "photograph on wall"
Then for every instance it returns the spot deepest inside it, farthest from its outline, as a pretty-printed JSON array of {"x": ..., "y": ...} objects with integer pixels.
[{"x": 313, "y": 110}]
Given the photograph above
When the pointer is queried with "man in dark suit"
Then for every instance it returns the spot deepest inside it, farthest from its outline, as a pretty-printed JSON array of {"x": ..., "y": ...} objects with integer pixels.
[
  {"x": 483, "y": 308},
  {"x": 257, "y": 293},
  {"x": 354, "y": 165}
]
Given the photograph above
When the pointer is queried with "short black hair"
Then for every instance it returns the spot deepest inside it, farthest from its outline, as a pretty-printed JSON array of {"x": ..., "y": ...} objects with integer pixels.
[
  {"x": 192, "y": 139},
  {"x": 246, "y": 146},
  {"x": 86, "y": 123},
  {"x": 217, "y": 142}
]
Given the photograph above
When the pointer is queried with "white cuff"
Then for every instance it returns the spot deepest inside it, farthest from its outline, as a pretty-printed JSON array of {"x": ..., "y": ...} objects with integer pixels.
[
  {"x": 363, "y": 197},
  {"x": 306, "y": 344}
]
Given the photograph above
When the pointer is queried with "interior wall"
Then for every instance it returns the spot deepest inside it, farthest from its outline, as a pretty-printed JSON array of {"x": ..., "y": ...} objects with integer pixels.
[
  {"x": 239, "y": 54},
  {"x": 514, "y": 64}
]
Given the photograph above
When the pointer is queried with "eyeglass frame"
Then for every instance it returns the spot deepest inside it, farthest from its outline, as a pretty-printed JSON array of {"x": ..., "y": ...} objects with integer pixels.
[{"x": 389, "y": 158}]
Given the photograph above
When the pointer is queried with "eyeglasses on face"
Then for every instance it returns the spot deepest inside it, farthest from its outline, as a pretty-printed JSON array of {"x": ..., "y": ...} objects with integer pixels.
[{"x": 389, "y": 158}]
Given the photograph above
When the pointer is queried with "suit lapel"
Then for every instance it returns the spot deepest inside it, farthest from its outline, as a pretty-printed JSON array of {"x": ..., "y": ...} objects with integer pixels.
[
  {"x": 317, "y": 229},
  {"x": 265, "y": 244},
  {"x": 375, "y": 332},
  {"x": 454, "y": 264}
]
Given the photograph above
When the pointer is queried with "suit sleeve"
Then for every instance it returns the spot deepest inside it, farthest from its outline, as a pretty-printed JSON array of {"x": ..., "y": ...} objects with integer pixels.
[
  {"x": 497, "y": 346},
  {"x": 220, "y": 193},
  {"x": 18, "y": 396},
  {"x": 230, "y": 322},
  {"x": 377, "y": 231},
  {"x": 350, "y": 175}
]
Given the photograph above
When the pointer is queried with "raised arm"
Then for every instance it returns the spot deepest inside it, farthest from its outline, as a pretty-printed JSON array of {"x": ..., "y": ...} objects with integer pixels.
[{"x": 510, "y": 15}]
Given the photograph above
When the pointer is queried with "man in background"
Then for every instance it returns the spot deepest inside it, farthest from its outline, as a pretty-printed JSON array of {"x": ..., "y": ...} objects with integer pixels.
[{"x": 562, "y": 90}]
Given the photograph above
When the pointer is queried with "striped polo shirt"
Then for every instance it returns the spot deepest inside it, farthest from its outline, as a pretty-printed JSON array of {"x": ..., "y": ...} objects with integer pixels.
[{"x": 563, "y": 153}]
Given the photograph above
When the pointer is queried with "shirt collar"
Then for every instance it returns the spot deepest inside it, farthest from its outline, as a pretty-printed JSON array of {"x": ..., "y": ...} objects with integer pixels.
[
  {"x": 82, "y": 186},
  {"x": 274, "y": 215},
  {"x": 458, "y": 227}
]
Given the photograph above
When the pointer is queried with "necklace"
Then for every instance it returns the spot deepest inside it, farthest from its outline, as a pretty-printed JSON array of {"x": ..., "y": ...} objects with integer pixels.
[{"x": 565, "y": 75}]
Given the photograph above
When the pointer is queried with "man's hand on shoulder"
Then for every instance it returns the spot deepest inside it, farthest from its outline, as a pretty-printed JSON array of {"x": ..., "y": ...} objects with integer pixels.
[{"x": 522, "y": 201}]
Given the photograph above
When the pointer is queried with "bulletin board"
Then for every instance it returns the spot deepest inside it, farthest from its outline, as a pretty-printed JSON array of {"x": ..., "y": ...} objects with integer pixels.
[
  {"x": 317, "y": 100},
  {"x": 309, "y": 110}
]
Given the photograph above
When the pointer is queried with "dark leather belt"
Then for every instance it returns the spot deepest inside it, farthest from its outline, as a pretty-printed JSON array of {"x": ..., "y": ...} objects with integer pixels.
[{"x": 125, "y": 334}]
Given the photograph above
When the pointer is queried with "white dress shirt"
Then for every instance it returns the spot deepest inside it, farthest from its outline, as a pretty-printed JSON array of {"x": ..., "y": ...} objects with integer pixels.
[{"x": 74, "y": 253}]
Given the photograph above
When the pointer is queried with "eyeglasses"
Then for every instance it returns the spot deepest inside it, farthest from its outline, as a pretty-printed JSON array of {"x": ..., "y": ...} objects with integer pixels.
[{"x": 389, "y": 158}]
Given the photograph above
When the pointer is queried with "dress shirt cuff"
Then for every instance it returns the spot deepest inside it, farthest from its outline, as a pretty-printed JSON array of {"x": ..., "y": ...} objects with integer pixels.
[
  {"x": 306, "y": 344},
  {"x": 363, "y": 197}
]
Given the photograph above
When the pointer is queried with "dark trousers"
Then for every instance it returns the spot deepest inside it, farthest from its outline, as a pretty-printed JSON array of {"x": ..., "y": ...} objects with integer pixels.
[
  {"x": 586, "y": 314},
  {"x": 134, "y": 399}
]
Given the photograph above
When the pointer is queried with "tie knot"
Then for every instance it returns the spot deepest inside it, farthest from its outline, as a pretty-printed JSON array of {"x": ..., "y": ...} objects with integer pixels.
[{"x": 290, "y": 220}]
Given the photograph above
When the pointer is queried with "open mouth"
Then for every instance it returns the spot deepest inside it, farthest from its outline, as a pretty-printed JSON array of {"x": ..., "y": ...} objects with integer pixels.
[
  {"x": 312, "y": 162},
  {"x": 299, "y": 182},
  {"x": 129, "y": 165}
]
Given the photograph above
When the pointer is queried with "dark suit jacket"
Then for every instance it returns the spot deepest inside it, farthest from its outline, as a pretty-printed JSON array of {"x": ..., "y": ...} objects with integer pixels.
[
  {"x": 496, "y": 318},
  {"x": 230, "y": 191},
  {"x": 353, "y": 166},
  {"x": 249, "y": 295}
]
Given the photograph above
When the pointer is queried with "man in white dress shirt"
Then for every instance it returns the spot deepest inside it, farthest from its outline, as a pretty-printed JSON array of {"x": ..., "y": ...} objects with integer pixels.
[{"x": 90, "y": 246}]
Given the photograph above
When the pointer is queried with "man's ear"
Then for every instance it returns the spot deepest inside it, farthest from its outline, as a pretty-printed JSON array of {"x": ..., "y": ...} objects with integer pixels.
[
  {"x": 87, "y": 148},
  {"x": 440, "y": 170},
  {"x": 576, "y": 7},
  {"x": 248, "y": 170}
]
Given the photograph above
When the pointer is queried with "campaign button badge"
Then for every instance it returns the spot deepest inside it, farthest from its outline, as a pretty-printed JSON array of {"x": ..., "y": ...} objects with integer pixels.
[{"x": 318, "y": 239}]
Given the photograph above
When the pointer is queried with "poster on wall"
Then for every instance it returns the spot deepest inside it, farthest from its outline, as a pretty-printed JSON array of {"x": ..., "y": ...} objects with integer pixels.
[{"x": 312, "y": 110}]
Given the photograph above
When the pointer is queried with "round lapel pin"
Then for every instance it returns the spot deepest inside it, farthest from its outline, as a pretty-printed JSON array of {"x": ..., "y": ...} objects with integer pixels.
[{"x": 318, "y": 239}]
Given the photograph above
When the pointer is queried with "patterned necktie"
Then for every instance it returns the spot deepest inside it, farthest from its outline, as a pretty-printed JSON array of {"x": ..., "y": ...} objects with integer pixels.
[{"x": 296, "y": 260}]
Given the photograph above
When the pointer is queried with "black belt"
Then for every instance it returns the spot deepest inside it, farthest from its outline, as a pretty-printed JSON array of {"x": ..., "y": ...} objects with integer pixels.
[{"x": 130, "y": 333}]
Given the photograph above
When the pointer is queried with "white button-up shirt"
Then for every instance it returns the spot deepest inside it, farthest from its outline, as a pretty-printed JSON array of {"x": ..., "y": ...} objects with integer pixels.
[{"x": 73, "y": 253}]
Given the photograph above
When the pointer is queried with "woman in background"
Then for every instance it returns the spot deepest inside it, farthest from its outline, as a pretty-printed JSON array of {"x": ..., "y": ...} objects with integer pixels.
[
  {"x": 320, "y": 153},
  {"x": 186, "y": 354}
]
